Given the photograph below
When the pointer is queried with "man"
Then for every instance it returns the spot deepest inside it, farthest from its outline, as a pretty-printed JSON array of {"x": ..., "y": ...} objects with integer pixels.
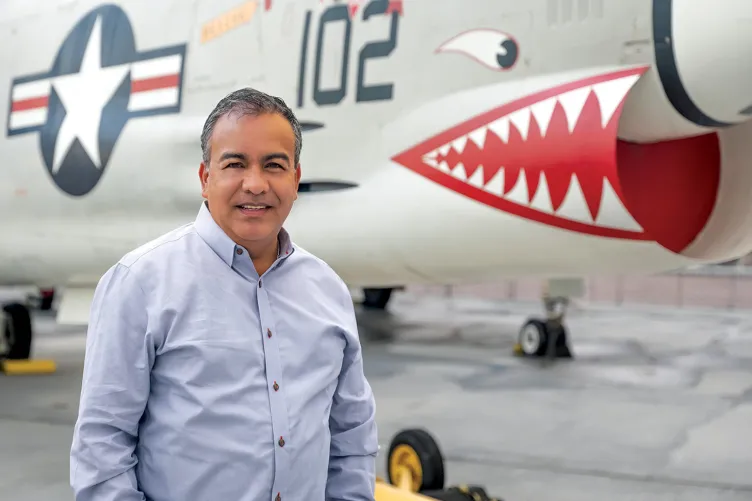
[{"x": 223, "y": 361}]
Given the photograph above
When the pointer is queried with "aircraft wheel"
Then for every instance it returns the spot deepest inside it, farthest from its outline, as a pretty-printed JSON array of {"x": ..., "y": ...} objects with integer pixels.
[
  {"x": 536, "y": 336},
  {"x": 17, "y": 331},
  {"x": 533, "y": 338},
  {"x": 416, "y": 455},
  {"x": 376, "y": 298}
]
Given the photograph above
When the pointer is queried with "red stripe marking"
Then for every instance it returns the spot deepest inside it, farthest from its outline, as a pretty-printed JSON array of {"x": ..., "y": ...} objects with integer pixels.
[
  {"x": 147, "y": 84},
  {"x": 30, "y": 104}
]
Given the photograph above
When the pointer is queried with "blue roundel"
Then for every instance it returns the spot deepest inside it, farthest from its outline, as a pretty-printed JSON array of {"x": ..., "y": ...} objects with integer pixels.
[{"x": 97, "y": 82}]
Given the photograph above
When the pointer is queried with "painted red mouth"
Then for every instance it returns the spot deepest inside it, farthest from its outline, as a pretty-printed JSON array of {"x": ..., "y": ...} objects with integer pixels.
[{"x": 549, "y": 157}]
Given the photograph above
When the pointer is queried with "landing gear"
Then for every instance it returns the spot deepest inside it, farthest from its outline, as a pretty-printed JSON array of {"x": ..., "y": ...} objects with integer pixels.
[
  {"x": 415, "y": 465},
  {"x": 548, "y": 337},
  {"x": 376, "y": 299},
  {"x": 46, "y": 298},
  {"x": 15, "y": 343},
  {"x": 17, "y": 332}
]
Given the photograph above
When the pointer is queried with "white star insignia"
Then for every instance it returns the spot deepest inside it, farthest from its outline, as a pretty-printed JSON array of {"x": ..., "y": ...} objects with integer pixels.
[{"x": 84, "y": 96}]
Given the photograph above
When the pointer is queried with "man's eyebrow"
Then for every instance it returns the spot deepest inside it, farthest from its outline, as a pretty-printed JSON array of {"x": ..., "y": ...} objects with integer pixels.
[
  {"x": 232, "y": 155},
  {"x": 277, "y": 156}
]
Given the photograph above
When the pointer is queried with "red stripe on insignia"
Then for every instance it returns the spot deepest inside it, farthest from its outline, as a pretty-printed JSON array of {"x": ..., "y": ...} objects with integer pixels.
[
  {"x": 30, "y": 104},
  {"x": 155, "y": 83}
]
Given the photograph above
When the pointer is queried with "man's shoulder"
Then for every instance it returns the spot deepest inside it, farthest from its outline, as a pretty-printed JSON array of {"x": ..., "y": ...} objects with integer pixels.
[
  {"x": 319, "y": 270},
  {"x": 160, "y": 249}
]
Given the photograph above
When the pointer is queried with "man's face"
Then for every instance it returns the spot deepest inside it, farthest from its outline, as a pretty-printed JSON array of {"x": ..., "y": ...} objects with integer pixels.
[{"x": 251, "y": 181}]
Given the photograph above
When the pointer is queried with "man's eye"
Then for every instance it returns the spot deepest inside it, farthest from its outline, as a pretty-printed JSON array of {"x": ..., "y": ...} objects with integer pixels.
[
  {"x": 234, "y": 164},
  {"x": 274, "y": 165}
]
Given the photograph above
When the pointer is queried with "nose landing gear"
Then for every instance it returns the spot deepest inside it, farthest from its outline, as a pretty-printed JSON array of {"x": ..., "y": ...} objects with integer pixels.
[{"x": 548, "y": 337}]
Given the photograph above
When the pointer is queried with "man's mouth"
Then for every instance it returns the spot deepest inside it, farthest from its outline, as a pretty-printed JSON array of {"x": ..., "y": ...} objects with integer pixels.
[{"x": 252, "y": 209}]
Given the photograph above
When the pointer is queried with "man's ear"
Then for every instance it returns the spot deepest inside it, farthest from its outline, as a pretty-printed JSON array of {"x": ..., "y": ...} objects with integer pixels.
[{"x": 203, "y": 175}]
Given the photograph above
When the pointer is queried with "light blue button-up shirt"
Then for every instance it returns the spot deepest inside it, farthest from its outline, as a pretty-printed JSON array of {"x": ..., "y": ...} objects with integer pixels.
[{"x": 205, "y": 382}]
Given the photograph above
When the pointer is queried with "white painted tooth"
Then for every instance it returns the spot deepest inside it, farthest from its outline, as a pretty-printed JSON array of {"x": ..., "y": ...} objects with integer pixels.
[
  {"x": 444, "y": 167},
  {"x": 542, "y": 199},
  {"x": 610, "y": 95},
  {"x": 444, "y": 149},
  {"x": 478, "y": 136},
  {"x": 501, "y": 128},
  {"x": 477, "y": 178},
  {"x": 430, "y": 161},
  {"x": 459, "y": 144},
  {"x": 459, "y": 172},
  {"x": 612, "y": 213},
  {"x": 521, "y": 120},
  {"x": 574, "y": 206},
  {"x": 432, "y": 154},
  {"x": 543, "y": 111},
  {"x": 572, "y": 102},
  {"x": 495, "y": 185},
  {"x": 519, "y": 194}
]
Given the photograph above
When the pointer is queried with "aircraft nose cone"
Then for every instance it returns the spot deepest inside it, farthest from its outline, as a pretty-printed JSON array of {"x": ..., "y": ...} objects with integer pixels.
[{"x": 704, "y": 56}]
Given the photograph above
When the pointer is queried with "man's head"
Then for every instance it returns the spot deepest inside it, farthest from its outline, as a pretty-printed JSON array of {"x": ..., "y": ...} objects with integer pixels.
[{"x": 250, "y": 171}]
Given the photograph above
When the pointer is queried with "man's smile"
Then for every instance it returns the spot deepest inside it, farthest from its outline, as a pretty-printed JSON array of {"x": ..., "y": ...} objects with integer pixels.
[{"x": 253, "y": 209}]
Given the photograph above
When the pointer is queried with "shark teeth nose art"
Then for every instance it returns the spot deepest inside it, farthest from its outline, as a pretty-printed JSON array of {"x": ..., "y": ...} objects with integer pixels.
[{"x": 549, "y": 157}]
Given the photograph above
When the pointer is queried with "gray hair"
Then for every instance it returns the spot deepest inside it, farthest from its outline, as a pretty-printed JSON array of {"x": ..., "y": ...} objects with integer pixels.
[{"x": 249, "y": 101}]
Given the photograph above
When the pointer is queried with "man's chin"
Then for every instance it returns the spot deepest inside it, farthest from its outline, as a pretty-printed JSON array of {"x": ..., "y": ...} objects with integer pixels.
[{"x": 253, "y": 230}]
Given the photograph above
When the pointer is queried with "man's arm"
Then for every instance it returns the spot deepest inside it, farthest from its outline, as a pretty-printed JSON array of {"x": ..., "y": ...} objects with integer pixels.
[
  {"x": 114, "y": 391},
  {"x": 352, "y": 458}
]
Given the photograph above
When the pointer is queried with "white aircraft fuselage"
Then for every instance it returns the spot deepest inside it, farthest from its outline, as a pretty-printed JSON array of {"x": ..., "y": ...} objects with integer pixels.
[{"x": 443, "y": 141}]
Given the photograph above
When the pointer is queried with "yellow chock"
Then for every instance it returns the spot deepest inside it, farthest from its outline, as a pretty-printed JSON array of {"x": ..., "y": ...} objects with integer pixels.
[
  {"x": 26, "y": 367},
  {"x": 517, "y": 350}
]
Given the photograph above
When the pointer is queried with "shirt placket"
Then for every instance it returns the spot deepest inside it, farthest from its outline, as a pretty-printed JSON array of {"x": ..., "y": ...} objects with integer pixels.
[{"x": 275, "y": 387}]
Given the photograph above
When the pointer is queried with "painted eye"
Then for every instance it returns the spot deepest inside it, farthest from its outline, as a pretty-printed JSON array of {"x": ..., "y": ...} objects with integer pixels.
[{"x": 494, "y": 49}]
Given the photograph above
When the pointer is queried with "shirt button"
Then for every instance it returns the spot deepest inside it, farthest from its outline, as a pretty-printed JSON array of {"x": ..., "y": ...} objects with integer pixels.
[
  {"x": 268, "y": 333},
  {"x": 276, "y": 386},
  {"x": 281, "y": 442},
  {"x": 239, "y": 251}
]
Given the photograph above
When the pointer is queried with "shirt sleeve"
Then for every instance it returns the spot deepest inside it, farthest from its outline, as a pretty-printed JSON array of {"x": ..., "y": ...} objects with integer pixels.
[
  {"x": 352, "y": 422},
  {"x": 115, "y": 387}
]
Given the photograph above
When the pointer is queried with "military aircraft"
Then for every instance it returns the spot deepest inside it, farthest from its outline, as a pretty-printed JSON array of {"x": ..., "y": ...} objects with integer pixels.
[{"x": 444, "y": 141}]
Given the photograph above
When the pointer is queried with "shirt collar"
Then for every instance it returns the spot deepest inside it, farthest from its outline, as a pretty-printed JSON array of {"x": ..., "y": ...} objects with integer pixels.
[{"x": 208, "y": 229}]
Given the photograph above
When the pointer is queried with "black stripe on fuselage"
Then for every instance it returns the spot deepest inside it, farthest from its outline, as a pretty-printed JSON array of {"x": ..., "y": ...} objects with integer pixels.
[{"x": 665, "y": 61}]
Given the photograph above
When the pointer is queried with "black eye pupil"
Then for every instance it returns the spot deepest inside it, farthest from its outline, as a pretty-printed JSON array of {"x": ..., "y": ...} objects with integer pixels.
[{"x": 509, "y": 57}]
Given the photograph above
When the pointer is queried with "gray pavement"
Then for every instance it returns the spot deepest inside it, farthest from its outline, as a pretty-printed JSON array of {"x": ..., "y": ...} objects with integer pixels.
[{"x": 656, "y": 406}]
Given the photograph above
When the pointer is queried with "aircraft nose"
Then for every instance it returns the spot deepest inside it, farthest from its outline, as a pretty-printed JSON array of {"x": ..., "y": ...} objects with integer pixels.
[{"x": 704, "y": 57}]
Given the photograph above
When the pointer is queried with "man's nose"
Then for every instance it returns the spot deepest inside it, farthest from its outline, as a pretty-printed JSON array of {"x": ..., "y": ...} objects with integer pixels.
[{"x": 255, "y": 181}]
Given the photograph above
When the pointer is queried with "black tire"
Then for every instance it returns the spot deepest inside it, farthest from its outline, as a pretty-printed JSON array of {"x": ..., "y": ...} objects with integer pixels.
[
  {"x": 533, "y": 338},
  {"x": 429, "y": 455},
  {"x": 376, "y": 298},
  {"x": 17, "y": 331}
]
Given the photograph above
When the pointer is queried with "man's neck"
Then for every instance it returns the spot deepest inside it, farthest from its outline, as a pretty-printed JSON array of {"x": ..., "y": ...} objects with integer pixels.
[{"x": 264, "y": 256}]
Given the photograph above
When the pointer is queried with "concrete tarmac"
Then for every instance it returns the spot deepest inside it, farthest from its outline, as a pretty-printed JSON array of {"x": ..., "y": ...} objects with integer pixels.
[{"x": 657, "y": 404}]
